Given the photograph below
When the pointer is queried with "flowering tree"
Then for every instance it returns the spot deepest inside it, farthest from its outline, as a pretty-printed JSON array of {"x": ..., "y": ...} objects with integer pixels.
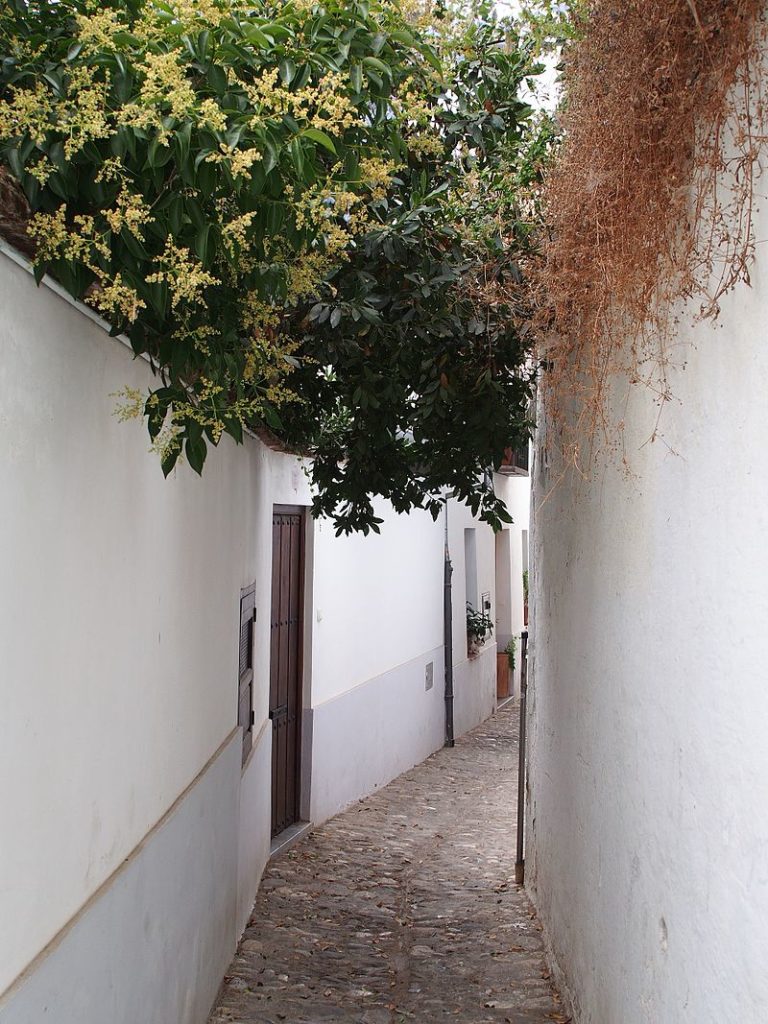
[{"x": 308, "y": 215}]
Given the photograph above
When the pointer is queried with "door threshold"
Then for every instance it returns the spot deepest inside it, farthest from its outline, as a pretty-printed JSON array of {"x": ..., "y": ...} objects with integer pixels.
[{"x": 288, "y": 837}]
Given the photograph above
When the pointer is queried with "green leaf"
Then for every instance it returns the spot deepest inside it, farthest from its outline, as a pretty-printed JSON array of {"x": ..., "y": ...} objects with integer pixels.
[
  {"x": 276, "y": 32},
  {"x": 14, "y": 162},
  {"x": 320, "y": 137},
  {"x": 287, "y": 70},
  {"x": 175, "y": 212},
  {"x": 377, "y": 65},
  {"x": 217, "y": 79},
  {"x": 203, "y": 244},
  {"x": 272, "y": 418},
  {"x": 403, "y": 36},
  {"x": 169, "y": 459},
  {"x": 182, "y": 142},
  {"x": 195, "y": 212},
  {"x": 255, "y": 35},
  {"x": 297, "y": 156},
  {"x": 196, "y": 450}
]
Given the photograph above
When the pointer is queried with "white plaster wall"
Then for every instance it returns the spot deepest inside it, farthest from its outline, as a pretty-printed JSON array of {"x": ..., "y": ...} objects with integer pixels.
[
  {"x": 516, "y": 493},
  {"x": 377, "y": 600},
  {"x": 366, "y": 737},
  {"x": 254, "y": 822},
  {"x": 474, "y": 684},
  {"x": 474, "y": 680},
  {"x": 118, "y": 615},
  {"x": 377, "y": 622},
  {"x": 648, "y": 775},
  {"x": 118, "y": 634},
  {"x": 152, "y": 947}
]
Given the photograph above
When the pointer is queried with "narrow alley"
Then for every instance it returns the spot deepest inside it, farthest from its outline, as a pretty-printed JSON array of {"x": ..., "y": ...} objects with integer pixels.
[{"x": 403, "y": 908}]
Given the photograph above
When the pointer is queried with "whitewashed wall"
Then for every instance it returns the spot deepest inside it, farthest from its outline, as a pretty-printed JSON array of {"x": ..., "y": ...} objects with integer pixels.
[
  {"x": 132, "y": 842},
  {"x": 516, "y": 493},
  {"x": 119, "y": 636},
  {"x": 474, "y": 678},
  {"x": 648, "y": 841},
  {"x": 377, "y": 625},
  {"x": 378, "y": 641}
]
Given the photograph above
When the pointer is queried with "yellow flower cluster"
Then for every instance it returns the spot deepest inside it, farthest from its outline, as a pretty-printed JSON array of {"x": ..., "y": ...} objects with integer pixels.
[
  {"x": 111, "y": 170},
  {"x": 325, "y": 202},
  {"x": 193, "y": 14},
  {"x": 130, "y": 404},
  {"x": 212, "y": 116},
  {"x": 29, "y": 110},
  {"x": 240, "y": 160},
  {"x": 198, "y": 335},
  {"x": 234, "y": 233},
  {"x": 130, "y": 212},
  {"x": 97, "y": 29},
  {"x": 83, "y": 244},
  {"x": 83, "y": 114},
  {"x": 183, "y": 274},
  {"x": 416, "y": 118},
  {"x": 55, "y": 240},
  {"x": 258, "y": 316},
  {"x": 115, "y": 297},
  {"x": 270, "y": 354},
  {"x": 80, "y": 116},
  {"x": 339, "y": 215},
  {"x": 325, "y": 106},
  {"x": 376, "y": 173},
  {"x": 167, "y": 440},
  {"x": 165, "y": 82},
  {"x": 243, "y": 159},
  {"x": 420, "y": 13},
  {"x": 42, "y": 170},
  {"x": 137, "y": 115},
  {"x": 307, "y": 270},
  {"x": 202, "y": 409}
]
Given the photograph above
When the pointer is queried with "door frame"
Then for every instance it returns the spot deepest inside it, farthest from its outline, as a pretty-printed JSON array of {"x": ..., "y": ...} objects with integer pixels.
[{"x": 301, "y": 511}]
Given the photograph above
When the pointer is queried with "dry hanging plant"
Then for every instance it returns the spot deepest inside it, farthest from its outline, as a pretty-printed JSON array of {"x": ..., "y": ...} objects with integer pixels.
[{"x": 649, "y": 201}]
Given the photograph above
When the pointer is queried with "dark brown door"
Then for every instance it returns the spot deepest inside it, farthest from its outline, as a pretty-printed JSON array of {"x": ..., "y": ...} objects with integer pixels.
[{"x": 285, "y": 666}]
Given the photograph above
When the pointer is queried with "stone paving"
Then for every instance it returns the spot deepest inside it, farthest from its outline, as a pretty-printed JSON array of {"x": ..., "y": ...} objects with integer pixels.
[{"x": 402, "y": 909}]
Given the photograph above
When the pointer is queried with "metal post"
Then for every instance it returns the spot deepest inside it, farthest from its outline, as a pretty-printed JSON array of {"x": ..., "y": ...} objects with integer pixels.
[{"x": 520, "y": 861}]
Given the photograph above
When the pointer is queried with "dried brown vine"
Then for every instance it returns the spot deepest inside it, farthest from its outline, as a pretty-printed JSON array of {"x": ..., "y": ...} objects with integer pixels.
[{"x": 649, "y": 201}]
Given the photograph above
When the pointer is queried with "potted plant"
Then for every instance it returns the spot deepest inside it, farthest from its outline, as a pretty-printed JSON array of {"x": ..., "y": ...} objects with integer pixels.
[
  {"x": 479, "y": 628},
  {"x": 525, "y": 597}
]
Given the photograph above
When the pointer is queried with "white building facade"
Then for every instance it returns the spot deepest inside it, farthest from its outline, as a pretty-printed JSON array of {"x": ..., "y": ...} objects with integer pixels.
[
  {"x": 647, "y": 848},
  {"x": 144, "y": 720}
]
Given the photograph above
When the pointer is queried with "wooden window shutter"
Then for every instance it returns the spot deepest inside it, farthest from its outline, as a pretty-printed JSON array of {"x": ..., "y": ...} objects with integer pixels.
[{"x": 245, "y": 670}]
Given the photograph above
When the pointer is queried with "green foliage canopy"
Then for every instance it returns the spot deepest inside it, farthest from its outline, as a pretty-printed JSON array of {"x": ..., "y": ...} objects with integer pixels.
[{"x": 312, "y": 217}]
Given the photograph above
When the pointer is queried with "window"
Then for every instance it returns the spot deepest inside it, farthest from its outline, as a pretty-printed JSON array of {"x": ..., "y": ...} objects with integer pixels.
[{"x": 245, "y": 669}]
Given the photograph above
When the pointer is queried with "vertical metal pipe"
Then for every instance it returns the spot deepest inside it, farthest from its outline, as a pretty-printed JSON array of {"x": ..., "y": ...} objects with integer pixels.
[
  {"x": 520, "y": 861},
  {"x": 448, "y": 637}
]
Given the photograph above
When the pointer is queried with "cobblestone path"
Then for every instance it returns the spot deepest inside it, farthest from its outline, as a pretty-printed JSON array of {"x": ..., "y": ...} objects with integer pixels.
[{"x": 403, "y": 908}]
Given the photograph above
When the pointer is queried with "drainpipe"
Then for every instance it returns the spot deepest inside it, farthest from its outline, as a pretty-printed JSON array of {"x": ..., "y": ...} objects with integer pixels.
[
  {"x": 520, "y": 861},
  {"x": 448, "y": 637}
]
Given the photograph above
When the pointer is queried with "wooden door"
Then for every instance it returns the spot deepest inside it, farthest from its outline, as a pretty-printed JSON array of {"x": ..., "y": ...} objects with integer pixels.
[
  {"x": 502, "y": 676},
  {"x": 285, "y": 663}
]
